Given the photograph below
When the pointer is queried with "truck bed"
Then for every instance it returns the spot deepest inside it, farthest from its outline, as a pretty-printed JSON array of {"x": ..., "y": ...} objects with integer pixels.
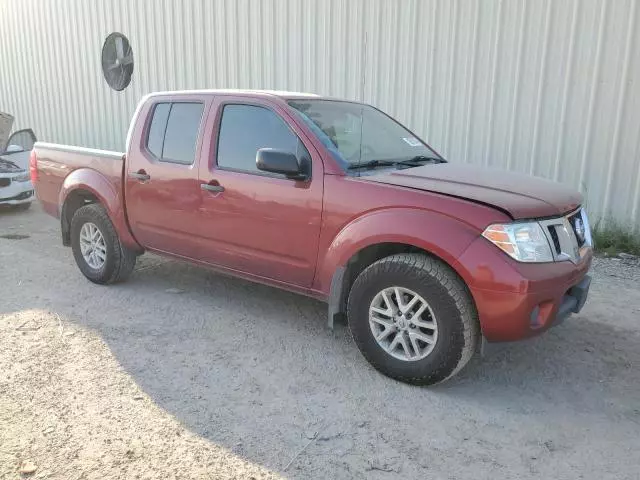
[{"x": 56, "y": 162}]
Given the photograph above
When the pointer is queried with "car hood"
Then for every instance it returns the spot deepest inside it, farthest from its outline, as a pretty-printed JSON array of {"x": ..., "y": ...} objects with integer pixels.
[
  {"x": 7, "y": 166},
  {"x": 521, "y": 196}
]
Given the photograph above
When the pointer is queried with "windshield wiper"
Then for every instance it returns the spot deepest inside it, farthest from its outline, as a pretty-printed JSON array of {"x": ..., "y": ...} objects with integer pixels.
[
  {"x": 408, "y": 162},
  {"x": 372, "y": 164},
  {"x": 418, "y": 159}
]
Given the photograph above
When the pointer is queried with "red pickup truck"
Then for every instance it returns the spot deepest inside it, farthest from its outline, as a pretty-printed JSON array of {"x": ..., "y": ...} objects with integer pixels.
[{"x": 335, "y": 200}]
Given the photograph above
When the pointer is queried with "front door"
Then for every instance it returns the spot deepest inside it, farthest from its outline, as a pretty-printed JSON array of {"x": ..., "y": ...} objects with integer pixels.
[
  {"x": 256, "y": 222},
  {"x": 162, "y": 187}
]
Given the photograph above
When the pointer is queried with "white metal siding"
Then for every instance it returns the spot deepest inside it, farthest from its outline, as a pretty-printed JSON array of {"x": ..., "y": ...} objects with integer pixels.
[{"x": 548, "y": 87}]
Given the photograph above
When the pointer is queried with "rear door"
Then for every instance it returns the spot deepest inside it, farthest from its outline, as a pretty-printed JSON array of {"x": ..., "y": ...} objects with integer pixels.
[
  {"x": 259, "y": 223},
  {"x": 162, "y": 186}
]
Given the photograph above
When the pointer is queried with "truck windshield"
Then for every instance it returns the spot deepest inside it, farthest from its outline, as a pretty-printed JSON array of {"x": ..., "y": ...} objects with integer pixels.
[{"x": 362, "y": 137}]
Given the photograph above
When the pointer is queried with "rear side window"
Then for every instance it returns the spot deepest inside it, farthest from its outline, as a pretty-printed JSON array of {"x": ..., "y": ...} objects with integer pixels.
[
  {"x": 173, "y": 132},
  {"x": 157, "y": 128},
  {"x": 245, "y": 129}
]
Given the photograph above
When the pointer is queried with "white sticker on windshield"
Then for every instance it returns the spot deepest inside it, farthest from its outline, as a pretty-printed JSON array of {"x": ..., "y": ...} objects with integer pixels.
[{"x": 413, "y": 141}]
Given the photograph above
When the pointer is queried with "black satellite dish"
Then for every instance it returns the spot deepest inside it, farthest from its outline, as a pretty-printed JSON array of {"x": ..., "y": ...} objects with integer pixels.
[{"x": 117, "y": 61}]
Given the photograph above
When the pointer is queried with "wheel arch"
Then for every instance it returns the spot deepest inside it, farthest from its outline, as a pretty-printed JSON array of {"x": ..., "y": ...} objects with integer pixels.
[
  {"x": 75, "y": 199},
  {"x": 85, "y": 186},
  {"x": 360, "y": 244}
]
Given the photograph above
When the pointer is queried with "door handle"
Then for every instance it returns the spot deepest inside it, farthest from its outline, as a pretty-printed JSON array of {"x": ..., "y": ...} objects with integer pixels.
[
  {"x": 212, "y": 188},
  {"x": 141, "y": 176}
]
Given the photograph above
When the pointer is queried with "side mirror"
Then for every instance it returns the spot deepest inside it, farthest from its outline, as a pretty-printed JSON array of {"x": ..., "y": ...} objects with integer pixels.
[
  {"x": 278, "y": 161},
  {"x": 14, "y": 149}
]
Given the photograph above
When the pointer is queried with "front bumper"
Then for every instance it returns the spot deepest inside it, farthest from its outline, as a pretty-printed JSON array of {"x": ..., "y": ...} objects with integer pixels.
[
  {"x": 519, "y": 300},
  {"x": 16, "y": 193},
  {"x": 24, "y": 197},
  {"x": 573, "y": 300}
]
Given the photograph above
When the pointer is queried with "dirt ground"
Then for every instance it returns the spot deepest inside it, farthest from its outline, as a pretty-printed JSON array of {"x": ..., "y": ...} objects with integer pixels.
[{"x": 183, "y": 373}]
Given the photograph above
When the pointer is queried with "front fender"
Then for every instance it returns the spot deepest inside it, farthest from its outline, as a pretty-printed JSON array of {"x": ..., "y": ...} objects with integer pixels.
[
  {"x": 441, "y": 235},
  {"x": 109, "y": 196}
]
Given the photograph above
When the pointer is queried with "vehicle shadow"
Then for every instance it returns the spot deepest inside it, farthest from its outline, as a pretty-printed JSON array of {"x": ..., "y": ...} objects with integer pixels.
[
  {"x": 257, "y": 370},
  {"x": 11, "y": 211}
]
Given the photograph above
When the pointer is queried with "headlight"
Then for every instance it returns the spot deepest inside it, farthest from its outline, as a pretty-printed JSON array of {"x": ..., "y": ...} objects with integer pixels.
[
  {"x": 23, "y": 177},
  {"x": 525, "y": 242}
]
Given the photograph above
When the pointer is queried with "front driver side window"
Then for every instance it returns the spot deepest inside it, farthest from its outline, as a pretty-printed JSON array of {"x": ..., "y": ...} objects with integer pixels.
[{"x": 247, "y": 128}]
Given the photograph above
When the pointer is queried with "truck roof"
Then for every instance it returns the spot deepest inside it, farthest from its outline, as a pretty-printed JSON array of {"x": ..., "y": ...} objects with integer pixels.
[{"x": 224, "y": 91}]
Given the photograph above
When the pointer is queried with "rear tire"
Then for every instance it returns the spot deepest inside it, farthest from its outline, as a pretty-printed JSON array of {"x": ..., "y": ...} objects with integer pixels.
[
  {"x": 96, "y": 247},
  {"x": 437, "y": 340}
]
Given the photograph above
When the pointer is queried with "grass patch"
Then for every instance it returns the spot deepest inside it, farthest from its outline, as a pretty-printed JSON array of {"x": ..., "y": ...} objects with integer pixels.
[{"x": 614, "y": 238}]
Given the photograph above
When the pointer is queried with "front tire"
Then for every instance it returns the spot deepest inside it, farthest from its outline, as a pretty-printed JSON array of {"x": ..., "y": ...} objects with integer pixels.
[
  {"x": 96, "y": 247},
  {"x": 413, "y": 318}
]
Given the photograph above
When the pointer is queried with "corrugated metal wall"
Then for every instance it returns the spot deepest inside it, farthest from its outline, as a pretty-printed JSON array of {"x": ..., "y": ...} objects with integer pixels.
[{"x": 548, "y": 87}]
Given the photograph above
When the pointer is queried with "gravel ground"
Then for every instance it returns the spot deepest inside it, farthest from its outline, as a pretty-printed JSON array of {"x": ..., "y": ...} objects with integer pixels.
[{"x": 182, "y": 373}]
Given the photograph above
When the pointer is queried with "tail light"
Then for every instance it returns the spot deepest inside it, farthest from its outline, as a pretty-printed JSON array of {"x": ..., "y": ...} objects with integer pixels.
[{"x": 33, "y": 167}]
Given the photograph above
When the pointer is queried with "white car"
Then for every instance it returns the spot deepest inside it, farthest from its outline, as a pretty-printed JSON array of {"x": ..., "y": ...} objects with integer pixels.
[{"x": 15, "y": 183}]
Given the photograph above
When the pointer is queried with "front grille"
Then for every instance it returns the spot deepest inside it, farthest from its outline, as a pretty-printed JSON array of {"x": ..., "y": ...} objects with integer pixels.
[
  {"x": 555, "y": 239},
  {"x": 567, "y": 235},
  {"x": 5, "y": 182}
]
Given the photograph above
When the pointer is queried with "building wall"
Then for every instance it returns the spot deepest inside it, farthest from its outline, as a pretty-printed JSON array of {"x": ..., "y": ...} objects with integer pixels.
[{"x": 548, "y": 87}]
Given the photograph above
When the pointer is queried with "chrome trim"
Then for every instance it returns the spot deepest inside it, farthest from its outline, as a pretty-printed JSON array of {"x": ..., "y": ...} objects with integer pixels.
[
  {"x": 569, "y": 245},
  {"x": 72, "y": 149}
]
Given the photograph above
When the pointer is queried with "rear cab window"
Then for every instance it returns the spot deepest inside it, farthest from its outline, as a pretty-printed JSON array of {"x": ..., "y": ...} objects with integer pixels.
[{"x": 173, "y": 132}]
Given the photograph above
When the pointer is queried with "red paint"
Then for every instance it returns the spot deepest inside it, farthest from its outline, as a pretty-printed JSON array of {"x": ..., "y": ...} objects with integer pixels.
[
  {"x": 504, "y": 190},
  {"x": 33, "y": 167},
  {"x": 506, "y": 291},
  {"x": 294, "y": 234},
  {"x": 259, "y": 224}
]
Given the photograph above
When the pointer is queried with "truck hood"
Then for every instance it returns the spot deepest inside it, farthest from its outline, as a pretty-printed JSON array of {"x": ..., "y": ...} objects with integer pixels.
[{"x": 521, "y": 196}]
